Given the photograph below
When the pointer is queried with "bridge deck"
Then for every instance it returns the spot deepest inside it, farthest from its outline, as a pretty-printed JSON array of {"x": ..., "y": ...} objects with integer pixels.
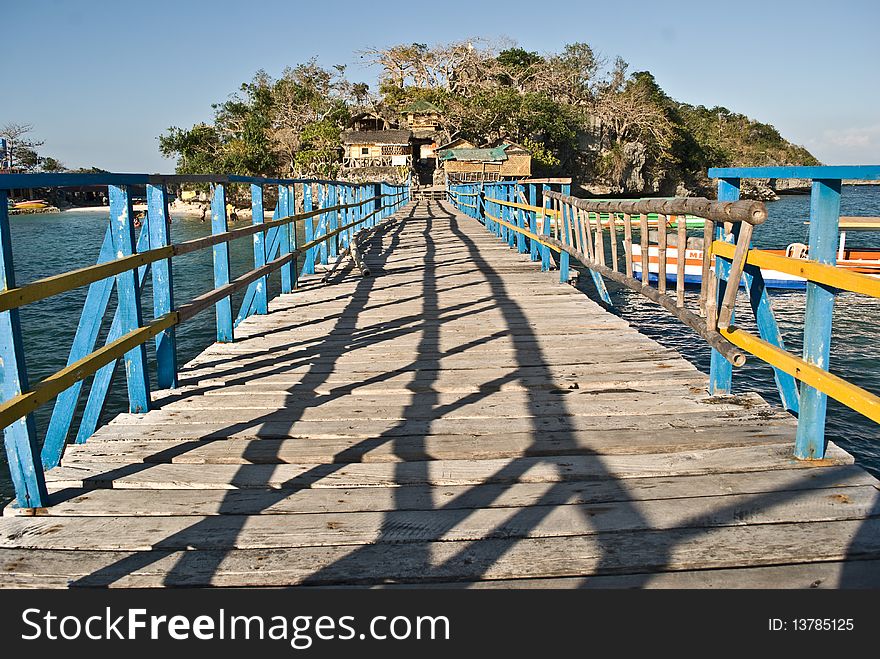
[{"x": 458, "y": 417}]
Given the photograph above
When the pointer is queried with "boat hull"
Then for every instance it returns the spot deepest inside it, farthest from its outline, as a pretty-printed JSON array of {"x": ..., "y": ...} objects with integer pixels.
[{"x": 863, "y": 261}]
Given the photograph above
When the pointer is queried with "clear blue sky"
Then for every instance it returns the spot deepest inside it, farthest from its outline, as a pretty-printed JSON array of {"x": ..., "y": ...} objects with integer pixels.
[{"x": 100, "y": 80}]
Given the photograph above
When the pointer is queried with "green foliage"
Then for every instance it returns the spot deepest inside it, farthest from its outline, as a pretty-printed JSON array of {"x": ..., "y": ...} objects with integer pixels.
[
  {"x": 517, "y": 58},
  {"x": 577, "y": 114},
  {"x": 50, "y": 164},
  {"x": 320, "y": 153},
  {"x": 540, "y": 153},
  {"x": 198, "y": 149}
]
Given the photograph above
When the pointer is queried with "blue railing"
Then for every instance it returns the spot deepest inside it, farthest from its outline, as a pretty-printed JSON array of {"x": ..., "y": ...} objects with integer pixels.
[
  {"x": 332, "y": 213},
  {"x": 825, "y": 186}
]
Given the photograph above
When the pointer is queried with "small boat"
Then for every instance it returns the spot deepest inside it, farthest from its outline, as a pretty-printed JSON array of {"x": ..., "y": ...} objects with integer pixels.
[
  {"x": 31, "y": 204},
  {"x": 864, "y": 260}
]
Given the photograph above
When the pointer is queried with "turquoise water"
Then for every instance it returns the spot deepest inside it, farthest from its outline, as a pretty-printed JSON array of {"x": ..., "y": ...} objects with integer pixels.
[{"x": 48, "y": 244}]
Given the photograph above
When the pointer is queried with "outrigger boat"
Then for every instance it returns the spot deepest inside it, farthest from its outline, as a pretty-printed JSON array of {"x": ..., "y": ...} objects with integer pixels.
[{"x": 865, "y": 260}]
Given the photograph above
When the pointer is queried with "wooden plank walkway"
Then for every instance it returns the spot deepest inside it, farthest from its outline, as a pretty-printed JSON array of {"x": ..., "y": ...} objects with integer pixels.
[{"x": 458, "y": 418}]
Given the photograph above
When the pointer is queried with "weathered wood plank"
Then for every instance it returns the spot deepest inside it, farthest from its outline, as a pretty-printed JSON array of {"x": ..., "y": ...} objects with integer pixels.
[
  {"x": 436, "y": 472},
  {"x": 539, "y": 521},
  {"x": 432, "y": 447},
  {"x": 608, "y": 553},
  {"x": 288, "y": 427},
  {"x": 836, "y": 574},
  {"x": 104, "y": 502}
]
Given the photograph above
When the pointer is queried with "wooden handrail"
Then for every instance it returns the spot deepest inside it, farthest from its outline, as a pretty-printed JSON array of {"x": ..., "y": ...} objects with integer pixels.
[{"x": 751, "y": 212}]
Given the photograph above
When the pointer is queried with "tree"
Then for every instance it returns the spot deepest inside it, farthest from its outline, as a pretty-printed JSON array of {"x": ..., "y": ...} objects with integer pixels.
[
  {"x": 20, "y": 151},
  {"x": 50, "y": 164}
]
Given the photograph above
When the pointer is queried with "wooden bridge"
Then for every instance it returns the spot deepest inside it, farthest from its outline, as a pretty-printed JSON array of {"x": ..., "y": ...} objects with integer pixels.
[{"x": 457, "y": 417}]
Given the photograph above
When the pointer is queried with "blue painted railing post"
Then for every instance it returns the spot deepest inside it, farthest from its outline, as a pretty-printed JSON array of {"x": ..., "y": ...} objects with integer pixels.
[
  {"x": 721, "y": 370},
  {"x": 285, "y": 209},
  {"x": 128, "y": 294},
  {"x": 159, "y": 226},
  {"x": 564, "y": 257},
  {"x": 219, "y": 224},
  {"x": 261, "y": 286},
  {"x": 533, "y": 221},
  {"x": 20, "y": 437},
  {"x": 768, "y": 328},
  {"x": 333, "y": 223},
  {"x": 91, "y": 318},
  {"x": 309, "y": 264},
  {"x": 291, "y": 204},
  {"x": 344, "y": 215},
  {"x": 519, "y": 196},
  {"x": 510, "y": 216},
  {"x": 378, "y": 204},
  {"x": 322, "y": 223},
  {"x": 545, "y": 203},
  {"x": 824, "y": 226}
]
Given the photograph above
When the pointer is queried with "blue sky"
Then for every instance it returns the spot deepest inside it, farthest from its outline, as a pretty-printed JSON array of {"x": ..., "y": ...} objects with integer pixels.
[{"x": 100, "y": 80}]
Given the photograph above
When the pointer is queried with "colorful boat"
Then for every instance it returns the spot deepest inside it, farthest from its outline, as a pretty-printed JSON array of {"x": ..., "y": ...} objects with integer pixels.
[
  {"x": 865, "y": 260},
  {"x": 31, "y": 204}
]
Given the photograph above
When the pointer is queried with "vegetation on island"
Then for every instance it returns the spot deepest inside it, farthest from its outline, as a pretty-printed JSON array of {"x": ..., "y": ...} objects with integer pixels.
[
  {"x": 614, "y": 131},
  {"x": 21, "y": 150}
]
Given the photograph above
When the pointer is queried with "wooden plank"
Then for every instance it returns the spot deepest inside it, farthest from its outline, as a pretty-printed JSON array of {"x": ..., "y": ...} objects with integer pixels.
[
  {"x": 445, "y": 447},
  {"x": 436, "y": 472},
  {"x": 267, "y": 426},
  {"x": 334, "y": 528},
  {"x": 139, "y": 503},
  {"x": 609, "y": 553},
  {"x": 835, "y": 574}
]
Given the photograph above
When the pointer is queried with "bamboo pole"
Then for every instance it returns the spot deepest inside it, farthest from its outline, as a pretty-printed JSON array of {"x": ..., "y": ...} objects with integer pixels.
[
  {"x": 682, "y": 246},
  {"x": 725, "y": 313},
  {"x": 627, "y": 243},
  {"x": 646, "y": 246},
  {"x": 708, "y": 238},
  {"x": 613, "y": 236},
  {"x": 661, "y": 253},
  {"x": 600, "y": 240}
]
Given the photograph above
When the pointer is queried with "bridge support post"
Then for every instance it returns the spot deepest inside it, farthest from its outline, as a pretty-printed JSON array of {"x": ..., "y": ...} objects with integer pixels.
[
  {"x": 291, "y": 202},
  {"x": 20, "y": 437},
  {"x": 510, "y": 215},
  {"x": 769, "y": 331},
  {"x": 545, "y": 251},
  {"x": 533, "y": 221},
  {"x": 519, "y": 196},
  {"x": 309, "y": 264},
  {"x": 285, "y": 208},
  {"x": 721, "y": 370},
  {"x": 333, "y": 221},
  {"x": 129, "y": 299},
  {"x": 564, "y": 258},
  {"x": 158, "y": 225},
  {"x": 824, "y": 226},
  {"x": 220, "y": 224},
  {"x": 261, "y": 295},
  {"x": 323, "y": 202}
]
